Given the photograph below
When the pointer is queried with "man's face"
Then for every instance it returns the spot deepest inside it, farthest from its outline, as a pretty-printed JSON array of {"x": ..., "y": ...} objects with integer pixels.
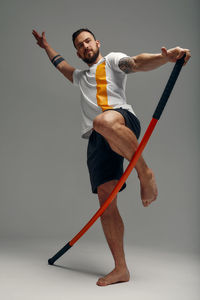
[{"x": 87, "y": 47}]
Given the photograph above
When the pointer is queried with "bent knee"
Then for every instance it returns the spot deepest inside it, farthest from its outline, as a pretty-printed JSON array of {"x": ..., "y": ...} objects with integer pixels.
[
  {"x": 101, "y": 122},
  {"x": 107, "y": 121}
]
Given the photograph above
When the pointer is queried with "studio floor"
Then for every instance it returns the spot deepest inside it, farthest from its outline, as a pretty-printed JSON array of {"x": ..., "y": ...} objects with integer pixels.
[{"x": 26, "y": 275}]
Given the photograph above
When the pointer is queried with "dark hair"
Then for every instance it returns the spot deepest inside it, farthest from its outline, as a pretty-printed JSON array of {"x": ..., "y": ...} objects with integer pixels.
[{"x": 76, "y": 33}]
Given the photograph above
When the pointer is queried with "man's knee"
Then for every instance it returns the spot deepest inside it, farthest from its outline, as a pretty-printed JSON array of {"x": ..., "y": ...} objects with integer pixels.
[
  {"x": 104, "y": 192},
  {"x": 101, "y": 123},
  {"x": 107, "y": 121}
]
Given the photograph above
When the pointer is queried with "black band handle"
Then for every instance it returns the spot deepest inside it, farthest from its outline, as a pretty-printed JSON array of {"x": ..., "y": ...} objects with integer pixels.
[
  {"x": 169, "y": 86},
  {"x": 59, "y": 254}
]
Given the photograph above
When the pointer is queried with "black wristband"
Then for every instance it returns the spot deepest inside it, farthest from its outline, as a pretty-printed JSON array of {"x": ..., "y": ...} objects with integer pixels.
[
  {"x": 55, "y": 58},
  {"x": 58, "y": 61}
]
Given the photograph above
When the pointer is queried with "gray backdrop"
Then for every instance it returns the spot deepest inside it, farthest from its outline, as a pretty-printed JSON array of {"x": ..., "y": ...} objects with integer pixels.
[{"x": 44, "y": 182}]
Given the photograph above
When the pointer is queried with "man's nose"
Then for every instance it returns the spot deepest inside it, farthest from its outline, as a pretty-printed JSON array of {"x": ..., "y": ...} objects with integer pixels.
[{"x": 85, "y": 45}]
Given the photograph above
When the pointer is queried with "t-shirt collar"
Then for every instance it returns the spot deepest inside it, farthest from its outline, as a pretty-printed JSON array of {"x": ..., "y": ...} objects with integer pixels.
[{"x": 94, "y": 65}]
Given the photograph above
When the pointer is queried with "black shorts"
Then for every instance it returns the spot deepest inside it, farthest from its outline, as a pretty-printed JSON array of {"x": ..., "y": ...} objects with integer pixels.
[{"x": 103, "y": 163}]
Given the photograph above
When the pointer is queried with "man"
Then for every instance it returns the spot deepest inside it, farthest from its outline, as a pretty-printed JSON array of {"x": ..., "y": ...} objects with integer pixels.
[{"x": 111, "y": 126}]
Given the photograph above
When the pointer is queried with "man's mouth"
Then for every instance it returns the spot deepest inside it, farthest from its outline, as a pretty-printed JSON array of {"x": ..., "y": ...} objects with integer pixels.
[{"x": 88, "y": 51}]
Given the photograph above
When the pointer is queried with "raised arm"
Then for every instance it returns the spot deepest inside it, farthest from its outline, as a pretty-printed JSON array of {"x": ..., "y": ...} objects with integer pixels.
[
  {"x": 66, "y": 69},
  {"x": 148, "y": 61}
]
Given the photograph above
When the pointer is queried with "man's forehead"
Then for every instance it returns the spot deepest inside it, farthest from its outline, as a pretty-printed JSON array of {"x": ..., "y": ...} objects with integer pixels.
[{"x": 82, "y": 36}]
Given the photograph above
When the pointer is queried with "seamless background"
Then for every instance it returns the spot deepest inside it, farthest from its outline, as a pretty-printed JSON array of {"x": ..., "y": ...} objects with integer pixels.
[{"x": 44, "y": 183}]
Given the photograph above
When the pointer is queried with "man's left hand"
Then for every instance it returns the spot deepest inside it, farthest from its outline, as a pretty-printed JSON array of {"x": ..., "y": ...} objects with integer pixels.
[{"x": 176, "y": 53}]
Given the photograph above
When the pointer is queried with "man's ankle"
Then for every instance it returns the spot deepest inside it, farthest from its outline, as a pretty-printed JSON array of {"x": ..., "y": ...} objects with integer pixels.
[
  {"x": 145, "y": 174},
  {"x": 120, "y": 266}
]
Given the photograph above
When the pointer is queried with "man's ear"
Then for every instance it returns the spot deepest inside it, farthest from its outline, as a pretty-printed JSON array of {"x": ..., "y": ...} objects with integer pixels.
[{"x": 98, "y": 43}]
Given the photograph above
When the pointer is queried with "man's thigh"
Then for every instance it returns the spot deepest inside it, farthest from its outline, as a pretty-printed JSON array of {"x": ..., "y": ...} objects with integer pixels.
[
  {"x": 103, "y": 163},
  {"x": 119, "y": 116}
]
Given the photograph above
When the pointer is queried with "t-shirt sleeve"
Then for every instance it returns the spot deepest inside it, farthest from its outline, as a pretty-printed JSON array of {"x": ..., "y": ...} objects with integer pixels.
[
  {"x": 113, "y": 59},
  {"x": 76, "y": 76}
]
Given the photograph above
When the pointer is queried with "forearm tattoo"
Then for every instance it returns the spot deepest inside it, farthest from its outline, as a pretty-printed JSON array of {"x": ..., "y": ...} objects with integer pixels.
[{"x": 126, "y": 64}]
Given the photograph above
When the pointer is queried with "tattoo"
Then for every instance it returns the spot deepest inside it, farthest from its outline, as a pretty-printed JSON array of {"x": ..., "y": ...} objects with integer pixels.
[{"x": 126, "y": 64}]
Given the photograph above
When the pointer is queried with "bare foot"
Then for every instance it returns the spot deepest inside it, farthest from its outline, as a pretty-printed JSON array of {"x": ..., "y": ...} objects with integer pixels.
[
  {"x": 149, "y": 191},
  {"x": 117, "y": 275}
]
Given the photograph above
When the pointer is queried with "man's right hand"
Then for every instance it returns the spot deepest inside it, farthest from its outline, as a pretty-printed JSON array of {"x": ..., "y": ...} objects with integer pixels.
[
  {"x": 41, "y": 39},
  {"x": 66, "y": 69}
]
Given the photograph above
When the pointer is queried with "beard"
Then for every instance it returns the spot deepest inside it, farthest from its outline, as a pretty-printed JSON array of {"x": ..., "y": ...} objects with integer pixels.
[{"x": 92, "y": 59}]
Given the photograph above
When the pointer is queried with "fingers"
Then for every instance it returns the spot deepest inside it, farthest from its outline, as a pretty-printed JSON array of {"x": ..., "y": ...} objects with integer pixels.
[
  {"x": 44, "y": 37},
  {"x": 188, "y": 55},
  {"x": 36, "y": 35},
  {"x": 176, "y": 53},
  {"x": 164, "y": 51},
  {"x": 182, "y": 52}
]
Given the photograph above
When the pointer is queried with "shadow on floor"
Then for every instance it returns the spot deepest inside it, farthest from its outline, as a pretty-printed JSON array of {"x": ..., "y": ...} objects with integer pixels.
[{"x": 81, "y": 269}]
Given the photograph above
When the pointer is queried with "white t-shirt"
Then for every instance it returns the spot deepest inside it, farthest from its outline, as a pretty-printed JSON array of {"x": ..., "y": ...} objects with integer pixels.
[{"x": 102, "y": 87}]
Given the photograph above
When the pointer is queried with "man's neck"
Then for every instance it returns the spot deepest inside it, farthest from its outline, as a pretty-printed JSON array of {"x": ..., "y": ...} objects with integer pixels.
[{"x": 96, "y": 61}]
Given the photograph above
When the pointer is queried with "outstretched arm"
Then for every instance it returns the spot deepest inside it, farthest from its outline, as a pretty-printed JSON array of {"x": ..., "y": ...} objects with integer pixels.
[
  {"x": 63, "y": 66},
  {"x": 148, "y": 62}
]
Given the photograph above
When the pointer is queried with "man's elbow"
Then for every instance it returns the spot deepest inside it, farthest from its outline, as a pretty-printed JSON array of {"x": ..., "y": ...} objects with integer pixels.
[
  {"x": 67, "y": 72},
  {"x": 137, "y": 67}
]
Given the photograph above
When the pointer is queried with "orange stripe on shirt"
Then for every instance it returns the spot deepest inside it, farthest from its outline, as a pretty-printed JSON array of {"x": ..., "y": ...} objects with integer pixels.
[{"x": 102, "y": 97}]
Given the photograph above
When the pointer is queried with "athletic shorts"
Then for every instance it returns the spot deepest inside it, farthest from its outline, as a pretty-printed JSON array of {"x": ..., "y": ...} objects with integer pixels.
[{"x": 103, "y": 163}]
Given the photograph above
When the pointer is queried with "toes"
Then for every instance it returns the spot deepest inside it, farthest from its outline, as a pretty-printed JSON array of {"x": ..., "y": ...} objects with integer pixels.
[{"x": 101, "y": 282}]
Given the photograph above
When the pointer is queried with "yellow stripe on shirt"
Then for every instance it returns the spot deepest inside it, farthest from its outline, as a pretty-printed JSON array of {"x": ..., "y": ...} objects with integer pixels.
[{"x": 102, "y": 97}]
